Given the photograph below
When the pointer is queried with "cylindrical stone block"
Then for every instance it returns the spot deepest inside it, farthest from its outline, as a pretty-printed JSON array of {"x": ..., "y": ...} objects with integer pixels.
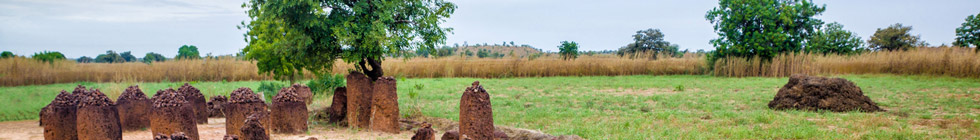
[
  {"x": 172, "y": 114},
  {"x": 359, "y": 91},
  {"x": 384, "y": 106},
  {"x": 134, "y": 109},
  {"x": 475, "y": 113},
  {"x": 97, "y": 117},
  {"x": 197, "y": 101}
]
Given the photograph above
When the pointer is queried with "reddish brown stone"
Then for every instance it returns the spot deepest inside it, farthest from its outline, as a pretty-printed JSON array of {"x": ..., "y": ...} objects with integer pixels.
[
  {"x": 197, "y": 101},
  {"x": 304, "y": 92},
  {"x": 97, "y": 117},
  {"x": 359, "y": 91},
  {"x": 338, "y": 108},
  {"x": 500, "y": 135},
  {"x": 384, "y": 106},
  {"x": 289, "y": 113},
  {"x": 253, "y": 129},
  {"x": 160, "y": 136},
  {"x": 172, "y": 114},
  {"x": 454, "y": 135},
  {"x": 216, "y": 105},
  {"x": 58, "y": 118},
  {"x": 476, "y": 113},
  {"x": 230, "y": 137},
  {"x": 175, "y": 136},
  {"x": 243, "y": 102},
  {"x": 134, "y": 109},
  {"x": 425, "y": 133},
  {"x": 820, "y": 93}
]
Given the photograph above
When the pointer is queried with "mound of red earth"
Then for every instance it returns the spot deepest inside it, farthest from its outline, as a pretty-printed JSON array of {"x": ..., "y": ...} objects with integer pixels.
[
  {"x": 821, "y": 93},
  {"x": 338, "y": 108},
  {"x": 289, "y": 113},
  {"x": 243, "y": 103},
  {"x": 97, "y": 117},
  {"x": 58, "y": 117},
  {"x": 253, "y": 129},
  {"x": 134, "y": 109},
  {"x": 215, "y": 105},
  {"x": 384, "y": 106},
  {"x": 198, "y": 103},
  {"x": 425, "y": 133},
  {"x": 172, "y": 113},
  {"x": 475, "y": 113},
  {"x": 359, "y": 91},
  {"x": 304, "y": 92}
]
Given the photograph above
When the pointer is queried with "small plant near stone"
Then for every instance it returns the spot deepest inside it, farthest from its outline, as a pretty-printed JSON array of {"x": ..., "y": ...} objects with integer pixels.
[
  {"x": 413, "y": 94},
  {"x": 326, "y": 83},
  {"x": 269, "y": 89},
  {"x": 679, "y": 88}
]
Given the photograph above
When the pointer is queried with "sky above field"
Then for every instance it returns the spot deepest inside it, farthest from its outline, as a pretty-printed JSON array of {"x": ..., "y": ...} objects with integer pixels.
[{"x": 90, "y": 27}]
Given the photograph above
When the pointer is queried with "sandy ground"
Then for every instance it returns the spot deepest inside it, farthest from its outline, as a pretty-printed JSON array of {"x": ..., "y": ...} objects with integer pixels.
[{"x": 214, "y": 130}]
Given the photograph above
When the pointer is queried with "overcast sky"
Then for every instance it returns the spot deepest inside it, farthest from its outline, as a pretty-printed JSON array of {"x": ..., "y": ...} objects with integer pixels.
[{"x": 90, "y": 27}]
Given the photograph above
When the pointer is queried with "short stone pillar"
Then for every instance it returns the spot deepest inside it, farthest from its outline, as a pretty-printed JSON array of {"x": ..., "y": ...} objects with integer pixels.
[
  {"x": 475, "y": 113},
  {"x": 242, "y": 103},
  {"x": 97, "y": 117},
  {"x": 173, "y": 114},
  {"x": 384, "y": 106},
  {"x": 338, "y": 108},
  {"x": 216, "y": 105},
  {"x": 198, "y": 103},
  {"x": 58, "y": 118},
  {"x": 289, "y": 113},
  {"x": 253, "y": 129},
  {"x": 134, "y": 109}
]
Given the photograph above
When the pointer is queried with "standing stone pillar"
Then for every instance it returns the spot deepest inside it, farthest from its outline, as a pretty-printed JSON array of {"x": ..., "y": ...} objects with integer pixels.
[
  {"x": 58, "y": 118},
  {"x": 243, "y": 103},
  {"x": 359, "y": 92},
  {"x": 173, "y": 114},
  {"x": 384, "y": 106},
  {"x": 475, "y": 113},
  {"x": 289, "y": 113},
  {"x": 134, "y": 109},
  {"x": 198, "y": 103},
  {"x": 97, "y": 117}
]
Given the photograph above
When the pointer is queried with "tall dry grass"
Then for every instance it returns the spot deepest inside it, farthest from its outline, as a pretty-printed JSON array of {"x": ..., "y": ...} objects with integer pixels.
[
  {"x": 941, "y": 61},
  {"x": 600, "y": 65},
  {"x": 24, "y": 71}
]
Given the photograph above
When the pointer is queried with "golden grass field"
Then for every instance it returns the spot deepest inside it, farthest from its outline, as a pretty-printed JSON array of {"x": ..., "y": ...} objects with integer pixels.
[{"x": 956, "y": 62}]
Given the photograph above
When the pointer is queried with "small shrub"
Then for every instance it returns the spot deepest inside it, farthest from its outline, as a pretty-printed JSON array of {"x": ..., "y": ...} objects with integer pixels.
[
  {"x": 269, "y": 89},
  {"x": 679, "y": 88},
  {"x": 326, "y": 83},
  {"x": 49, "y": 57}
]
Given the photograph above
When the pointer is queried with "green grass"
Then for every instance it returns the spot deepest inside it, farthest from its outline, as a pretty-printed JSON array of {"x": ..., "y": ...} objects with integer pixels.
[{"x": 656, "y": 107}]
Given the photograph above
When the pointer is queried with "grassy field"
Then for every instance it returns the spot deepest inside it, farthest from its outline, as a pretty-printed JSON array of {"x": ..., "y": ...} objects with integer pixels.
[{"x": 659, "y": 107}]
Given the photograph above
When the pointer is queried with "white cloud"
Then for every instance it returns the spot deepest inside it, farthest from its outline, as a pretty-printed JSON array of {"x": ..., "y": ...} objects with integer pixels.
[{"x": 121, "y": 10}]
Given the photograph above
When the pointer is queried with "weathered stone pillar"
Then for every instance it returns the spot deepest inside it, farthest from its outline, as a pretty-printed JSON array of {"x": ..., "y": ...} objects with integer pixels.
[
  {"x": 173, "y": 114},
  {"x": 134, "y": 109},
  {"x": 359, "y": 92},
  {"x": 384, "y": 106},
  {"x": 475, "y": 113}
]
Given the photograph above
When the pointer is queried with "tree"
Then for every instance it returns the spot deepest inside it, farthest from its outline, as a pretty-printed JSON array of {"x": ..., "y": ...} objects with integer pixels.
[
  {"x": 85, "y": 59},
  {"x": 48, "y": 56},
  {"x": 763, "y": 28},
  {"x": 7, "y": 54},
  {"x": 151, "y": 57},
  {"x": 969, "y": 33},
  {"x": 188, "y": 52},
  {"x": 482, "y": 53},
  {"x": 568, "y": 50},
  {"x": 647, "y": 41},
  {"x": 895, "y": 37},
  {"x": 128, "y": 56},
  {"x": 833, "y": 39},
  {"x": 511, "y": 43},
  {"x": 287, "y": 37},
  {"x": 109, "y": 57}
]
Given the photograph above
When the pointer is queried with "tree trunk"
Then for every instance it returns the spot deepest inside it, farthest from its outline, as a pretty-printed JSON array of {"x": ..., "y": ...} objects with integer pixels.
[{"x": 375, "y": 71}]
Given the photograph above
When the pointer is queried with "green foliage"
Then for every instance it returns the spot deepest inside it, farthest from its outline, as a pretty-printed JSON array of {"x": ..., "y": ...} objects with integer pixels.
[
  {"x": 895, "y": 37},
  {"x": 679, "y": 88},
  {"x": 648, "y": 41},
  {"x": 128, "y": 56},
  {"x": 48, "y": 56},
  {"x": 482, "y": 53},
  {"x": 568, "y": 50},
  {"x": 763, "y": 28},
  {"x": 833, "y": 40},
  {"x": 269, "y": 89},
  {"x": 326, "y": 83},
  {"x": 188, "y": 52},
  {"x": 85, "y": 59},
  {"x": 7, "y": 54},
  {"x": 151, "y": 57},
  {"x": 109, "y": 57},
  {"x": 287, "y": 37},
  {"x": 969, "y": 33}
]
